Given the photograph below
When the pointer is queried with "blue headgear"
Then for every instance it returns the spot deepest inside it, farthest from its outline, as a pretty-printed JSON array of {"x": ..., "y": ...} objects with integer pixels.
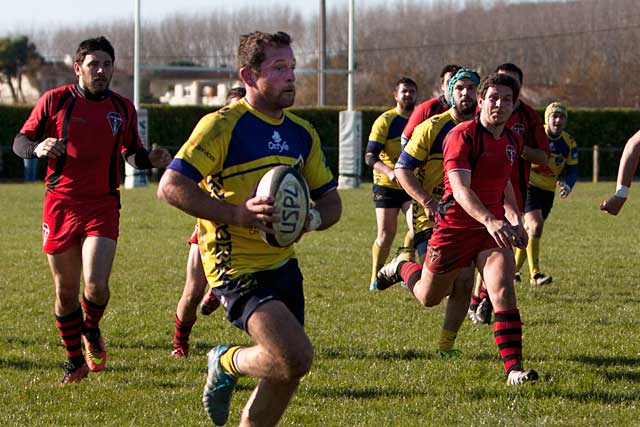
[{"x": 462, "y": 74}]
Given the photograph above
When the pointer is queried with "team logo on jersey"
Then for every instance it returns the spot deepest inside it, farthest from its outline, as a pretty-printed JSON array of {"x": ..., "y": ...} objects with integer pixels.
[
  {"x": 518, "y": 128},
  {"x": 511, "y": 153},
  {"x": 115, "y": 121},
  {"x": 45, "y": 233},
  {"x": 277, "y": 144}
]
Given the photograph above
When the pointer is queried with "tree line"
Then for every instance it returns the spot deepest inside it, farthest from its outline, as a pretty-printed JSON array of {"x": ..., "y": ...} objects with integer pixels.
[{"x": 581, "y": 52}]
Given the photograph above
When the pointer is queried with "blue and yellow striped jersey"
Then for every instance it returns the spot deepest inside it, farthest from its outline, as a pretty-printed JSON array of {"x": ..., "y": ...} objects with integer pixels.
[
  {"x": 564, "y": 152},
  {"x": 231, "y": 149},
  {"x": 385, "y": 137},
  {"x": 423, "y": 153}
]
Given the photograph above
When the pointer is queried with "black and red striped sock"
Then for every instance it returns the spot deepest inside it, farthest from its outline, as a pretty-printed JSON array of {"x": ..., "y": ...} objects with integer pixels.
[
  {"x": 507, "y": 330},
  {"x": 182, "y": 332},
  {"x": 70, "y": 329},
  {"x": 483, "y": 293},
  {"x": 475, "y": 301},
  {"x": 93, "y": 313},
  {"x": 410, "y": 272}
]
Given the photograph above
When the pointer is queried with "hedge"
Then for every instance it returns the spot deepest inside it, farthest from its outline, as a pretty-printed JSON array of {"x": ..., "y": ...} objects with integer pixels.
[{"x": 170, "y": 126}]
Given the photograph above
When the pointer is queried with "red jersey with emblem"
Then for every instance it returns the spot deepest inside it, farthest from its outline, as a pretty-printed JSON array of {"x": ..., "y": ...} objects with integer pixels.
[
  {"x": 470, "y": 146},
  {"x": 422, "y": 112},
  {"x": 97, "y": 133},
  {"x": 525, "y": 122}
]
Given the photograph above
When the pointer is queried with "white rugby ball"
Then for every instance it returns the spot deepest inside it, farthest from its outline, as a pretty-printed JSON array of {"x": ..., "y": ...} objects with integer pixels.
[{"x": 291, "y": 194}]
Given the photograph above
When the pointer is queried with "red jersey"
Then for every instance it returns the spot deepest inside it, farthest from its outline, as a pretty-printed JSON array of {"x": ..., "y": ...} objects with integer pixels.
[
  {"x": 525, "y": 122},
  {"x": 470, "y": 146},
  {"x": 96, "y": 131},
  {"x": 422, "y": 112}
]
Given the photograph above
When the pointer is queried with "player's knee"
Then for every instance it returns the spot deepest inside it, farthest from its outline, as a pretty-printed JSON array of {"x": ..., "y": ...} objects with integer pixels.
[
  {"x": 298, "y": 364},
  {"x": 385, "y": 238}
]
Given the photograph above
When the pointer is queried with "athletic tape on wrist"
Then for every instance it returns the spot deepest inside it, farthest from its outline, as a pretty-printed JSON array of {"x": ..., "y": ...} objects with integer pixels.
[{"x": 315, "y": 219}]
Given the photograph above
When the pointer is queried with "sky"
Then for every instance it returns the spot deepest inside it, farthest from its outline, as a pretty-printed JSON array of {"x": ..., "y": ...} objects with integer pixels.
[{"x": 25, "y": 16}]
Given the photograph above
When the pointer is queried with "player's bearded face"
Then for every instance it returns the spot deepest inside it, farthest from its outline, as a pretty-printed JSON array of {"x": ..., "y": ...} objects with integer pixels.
[
  {"x": 497, "y": 105},
  {"x": 95, "y": 72},
  {"x": 405, "y": 95},
  {"x": 276, "y": 80},
  {"x": 464, "y": 94}
]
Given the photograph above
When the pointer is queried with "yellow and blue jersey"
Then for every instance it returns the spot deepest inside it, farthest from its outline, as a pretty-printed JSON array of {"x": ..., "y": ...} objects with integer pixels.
[
  {"x": 423, "y": 154},
  {"x": 231, "y": 149},
  {"x": 385, "y": 139},
  {"x": 564, "y": 155}
]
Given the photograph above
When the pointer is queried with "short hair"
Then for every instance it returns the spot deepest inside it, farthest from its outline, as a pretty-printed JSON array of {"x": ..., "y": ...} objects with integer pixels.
[
  {"x": 91, "y": 45},
  {"x": 495, "y": 79},
  {"x": 235, "y": 92},
  {"x": 251, "y": 49},
  {"x": 406, "y": 81},
  {"x": 513, "y": 68},
  {"x": 449, "y": 68}
]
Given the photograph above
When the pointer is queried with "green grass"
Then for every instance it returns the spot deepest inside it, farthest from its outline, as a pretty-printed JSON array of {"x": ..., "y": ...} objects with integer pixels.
[{"x": 374, "y": 364}]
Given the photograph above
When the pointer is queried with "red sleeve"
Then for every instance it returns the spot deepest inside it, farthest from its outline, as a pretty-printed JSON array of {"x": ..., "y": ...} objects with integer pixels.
[
  {"x": 538, "y": 137},
  {"x": 456, "y": 149},
  {"x": 35, "y": 126},
  {"x": 415, "y": 119}
]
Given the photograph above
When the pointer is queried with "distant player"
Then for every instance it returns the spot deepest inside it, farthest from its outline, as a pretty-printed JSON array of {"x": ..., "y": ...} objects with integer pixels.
[
  {"x": 196, "y": 281},
  {"x": 424, "y": 153},
  {"x": 433, "y": 106},
  {"x": 626, "y": 171},
  {"x": 84, "y": 130},
  {"x": 542, "y": 187},
  {"x": 474, "y": 225},
  {"x": 382, "y": 153},
  {"x": 260, "y": 286},
  {"x": 525, "y": 122}
]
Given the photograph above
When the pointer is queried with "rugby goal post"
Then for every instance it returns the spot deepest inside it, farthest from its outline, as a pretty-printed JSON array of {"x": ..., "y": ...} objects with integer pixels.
[{"x": 134, "y": 178}]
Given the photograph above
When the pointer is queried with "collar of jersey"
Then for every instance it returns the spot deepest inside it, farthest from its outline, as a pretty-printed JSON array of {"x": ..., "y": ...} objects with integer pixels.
[{"x": 262, "y": 116}]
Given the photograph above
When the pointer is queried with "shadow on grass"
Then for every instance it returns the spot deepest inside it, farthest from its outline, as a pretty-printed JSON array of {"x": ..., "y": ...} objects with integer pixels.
[
  {"x": 350, "y": 353},
  {"x": 539, "y": 391},
  {"x": 608, "y": 360},
  {"x": 365, "y": 393},
  {"x": 26, "y": 365}
]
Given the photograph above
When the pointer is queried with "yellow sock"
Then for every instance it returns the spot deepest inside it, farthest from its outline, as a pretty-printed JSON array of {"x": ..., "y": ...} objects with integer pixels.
[
  {"x": 521, "y": 255},
  {"x": 378, "y": 256},
  {"x": 408, "y": 239},
  {"x": 533, "y": 255},
  {"x": 447, "y": 340},
  {"x": 228, "y": 362}
]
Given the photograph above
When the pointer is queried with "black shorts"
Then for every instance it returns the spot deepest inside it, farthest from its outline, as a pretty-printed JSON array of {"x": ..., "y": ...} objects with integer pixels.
[
  {"x": 242, "y": 295},
  {"x": 537, "y": 198},
  {"x": 421, "y": 240},
  {"x": 384, "y": 197}
]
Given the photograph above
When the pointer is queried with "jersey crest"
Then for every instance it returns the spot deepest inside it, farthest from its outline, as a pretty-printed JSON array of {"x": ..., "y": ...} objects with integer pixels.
[
  {"x": 511, "y": 153},
  {"x": 277, "y": 144},
  {"x": 115, "y": 121},
  {"x": 518, "y": 128}
]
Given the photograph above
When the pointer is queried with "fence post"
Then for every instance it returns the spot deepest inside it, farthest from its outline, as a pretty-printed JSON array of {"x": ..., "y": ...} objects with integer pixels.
[{"x": 596, "y": 162}]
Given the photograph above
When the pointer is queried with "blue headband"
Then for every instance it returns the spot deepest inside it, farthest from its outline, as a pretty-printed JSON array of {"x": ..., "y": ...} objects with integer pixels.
[{"x": 462, "y": 74}]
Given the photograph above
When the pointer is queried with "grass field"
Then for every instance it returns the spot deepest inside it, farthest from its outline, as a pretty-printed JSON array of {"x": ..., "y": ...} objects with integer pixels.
[{"x": 375, "y": 362}]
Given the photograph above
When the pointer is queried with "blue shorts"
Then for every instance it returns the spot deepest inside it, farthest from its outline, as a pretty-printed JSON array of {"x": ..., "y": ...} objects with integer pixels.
[
  {"x": 384, "y": 197},
  {"x": 241, "y": 296}
]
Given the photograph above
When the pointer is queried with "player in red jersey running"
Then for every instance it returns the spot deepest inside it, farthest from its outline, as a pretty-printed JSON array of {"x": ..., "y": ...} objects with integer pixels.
[
  {"x": 196, "y": 281},
  {"x": 478, "y": 222},
  {"x": 431, "y": 107},
  {"x": 83, "y": 129}
]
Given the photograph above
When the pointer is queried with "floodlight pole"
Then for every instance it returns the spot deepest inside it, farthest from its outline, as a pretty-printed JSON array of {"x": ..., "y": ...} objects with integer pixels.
[{"x": 136, "y": 57}]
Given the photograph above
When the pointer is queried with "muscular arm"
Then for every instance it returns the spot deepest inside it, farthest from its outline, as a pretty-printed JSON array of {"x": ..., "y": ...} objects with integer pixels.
[
  {"x": 626, "y": 171},
  {"x": 330, "y": 207},
  {"x": 185, "y": 194},
  {"x": 410, "y": 184}
]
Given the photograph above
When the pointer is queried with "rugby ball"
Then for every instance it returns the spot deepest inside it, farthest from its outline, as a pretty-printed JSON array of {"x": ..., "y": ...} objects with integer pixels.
[{"x": 291, "y": 194}]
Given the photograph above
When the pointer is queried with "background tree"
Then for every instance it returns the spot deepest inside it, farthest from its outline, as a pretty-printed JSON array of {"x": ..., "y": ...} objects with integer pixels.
[{"x": 18, "y": 56}]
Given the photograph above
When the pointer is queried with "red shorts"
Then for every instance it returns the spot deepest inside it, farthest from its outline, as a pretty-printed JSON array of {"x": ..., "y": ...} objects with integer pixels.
[
  {"x": 65, "y": 223},
  {"x": 452, "y": 248},
  {"x": 193, "y": 240}
]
